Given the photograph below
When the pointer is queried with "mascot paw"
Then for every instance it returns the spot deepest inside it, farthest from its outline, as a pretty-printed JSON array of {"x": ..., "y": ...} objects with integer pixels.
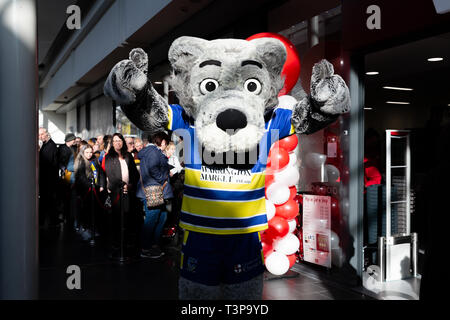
[
  {"x": 140, "y": 59},
  {"x": 329, "y": 90},
  {"x": 127, "y": 78}
]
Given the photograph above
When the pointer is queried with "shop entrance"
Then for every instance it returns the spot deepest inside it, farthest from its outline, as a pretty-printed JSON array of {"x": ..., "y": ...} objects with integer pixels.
[{"x": 406, "y": 89}]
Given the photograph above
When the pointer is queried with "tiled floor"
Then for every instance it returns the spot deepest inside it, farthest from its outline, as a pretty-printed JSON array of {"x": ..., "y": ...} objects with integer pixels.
[
  {"x": 303, "y": 285},
  {"x": 150, "y": 279},
  {"x": 102, "y": 278}
]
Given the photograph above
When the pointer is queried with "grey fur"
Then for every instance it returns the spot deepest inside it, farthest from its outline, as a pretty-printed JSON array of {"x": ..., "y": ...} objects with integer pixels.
[
  {"x": 187, "y": 53},
  {"x": 329, "y": 98},
  {"x": 329, "y": 90},
  {"x": 127, "y": 84}
]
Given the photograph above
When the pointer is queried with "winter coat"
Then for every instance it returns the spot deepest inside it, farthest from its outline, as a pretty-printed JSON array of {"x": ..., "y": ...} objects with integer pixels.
[
  {"x": 154, "y": 171},
  {"x": 114, "y": 174},
  {"x": 64, "y": 154},
  {"x": 48, "y": 165},
  {"x": 83, "y": 177}
]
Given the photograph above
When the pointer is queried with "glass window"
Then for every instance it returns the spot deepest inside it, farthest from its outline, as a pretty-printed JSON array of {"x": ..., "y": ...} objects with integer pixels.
[
  {"x": 323, "y": 155},
  {"x": 124, "y": 125}
]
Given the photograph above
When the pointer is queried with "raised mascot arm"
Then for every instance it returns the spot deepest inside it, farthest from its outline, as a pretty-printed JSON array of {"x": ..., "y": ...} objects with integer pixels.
[
  {"x": 128, "y": 85},
  {"x": 329, "y": 98}
]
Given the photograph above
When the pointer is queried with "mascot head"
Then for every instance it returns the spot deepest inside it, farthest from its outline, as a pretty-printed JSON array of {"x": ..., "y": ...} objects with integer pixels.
[{"x": 226, "y": 86}]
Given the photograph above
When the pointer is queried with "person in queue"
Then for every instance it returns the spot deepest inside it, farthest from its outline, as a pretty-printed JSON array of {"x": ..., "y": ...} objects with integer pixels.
[
  {"x": 122, "y": 178},
  {"x": 48, "y": 179},
  {"x": 89, "y": 178},
  {"x": 65, "y": 154},
  {"x": 176, "y": 178},
  {"x": 154, "y": 171}
]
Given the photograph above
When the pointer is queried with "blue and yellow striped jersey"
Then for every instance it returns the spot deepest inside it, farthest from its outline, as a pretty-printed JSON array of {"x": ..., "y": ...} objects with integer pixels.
[{"x": 227, "y": 200}]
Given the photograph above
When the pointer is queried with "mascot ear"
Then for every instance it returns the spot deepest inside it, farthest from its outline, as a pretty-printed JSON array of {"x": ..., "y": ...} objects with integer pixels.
[
  {"x": 272, "y": 52},
  {"x": 184, "y": 51}
]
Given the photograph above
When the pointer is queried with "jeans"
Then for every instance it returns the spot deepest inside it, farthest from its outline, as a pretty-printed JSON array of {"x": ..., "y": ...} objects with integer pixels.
[{"x": 155, "y": 218}]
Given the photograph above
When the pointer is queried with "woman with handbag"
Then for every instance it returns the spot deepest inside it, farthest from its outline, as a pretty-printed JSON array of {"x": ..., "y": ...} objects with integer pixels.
[
  {"x": 122, "y": 178},
  {"x": 154, "y": 189}
]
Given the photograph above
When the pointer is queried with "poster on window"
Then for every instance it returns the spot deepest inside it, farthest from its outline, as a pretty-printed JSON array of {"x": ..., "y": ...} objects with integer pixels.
[{"x": 317, "y": 229}]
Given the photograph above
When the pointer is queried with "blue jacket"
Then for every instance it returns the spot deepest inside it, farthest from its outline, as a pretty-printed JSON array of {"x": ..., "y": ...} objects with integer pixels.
[{"x": 154, "y": 171}]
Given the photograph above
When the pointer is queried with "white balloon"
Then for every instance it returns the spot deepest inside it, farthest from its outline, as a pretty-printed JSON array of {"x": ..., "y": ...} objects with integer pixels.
[
  {"x": 288, "y": 245},
  {"x": 292, "y": 225},
  {"x": 288, "y": 176},
  {"x": 332, "y": 173},
  {"x": 292, "y": 159},
  {"x": 277, "y": 263},
  {"x": 278, "y": 193},
  {"x": 334, "y": 240},
  {"x": 270, "y": 210}
]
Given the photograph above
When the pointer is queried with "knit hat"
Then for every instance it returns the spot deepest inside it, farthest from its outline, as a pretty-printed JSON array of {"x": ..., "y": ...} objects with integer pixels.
[{"x": 69, "y": 137}]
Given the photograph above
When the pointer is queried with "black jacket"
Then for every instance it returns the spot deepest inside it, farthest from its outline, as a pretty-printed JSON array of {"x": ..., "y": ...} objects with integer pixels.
[
  {"x": 48, "y": 164},
  {"x": 114, "y": 174},
  {"x": 64, "y": 153},
  {"x": 83, "y": 181}
]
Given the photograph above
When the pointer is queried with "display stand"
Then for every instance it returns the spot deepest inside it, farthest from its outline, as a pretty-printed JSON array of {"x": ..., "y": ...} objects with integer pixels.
[{"x": 397, "y": 253}]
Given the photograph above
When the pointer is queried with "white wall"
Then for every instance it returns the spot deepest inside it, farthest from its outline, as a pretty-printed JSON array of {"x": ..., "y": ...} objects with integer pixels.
[
  {"x": 101, "y": 119},
  {"x": 54, "y": 123},
  {"x": 71, "y": 121}
]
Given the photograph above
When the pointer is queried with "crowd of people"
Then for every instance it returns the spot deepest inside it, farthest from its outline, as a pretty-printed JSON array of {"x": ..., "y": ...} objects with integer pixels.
[{"x": 97, "y": 189}]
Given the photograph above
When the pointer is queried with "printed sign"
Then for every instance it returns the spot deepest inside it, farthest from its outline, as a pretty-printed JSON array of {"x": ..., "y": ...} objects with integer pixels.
[
  {"x": 226, "y": 175},
  {"x": 332, "y": 150},
  {"x": 317, "y": 229}
]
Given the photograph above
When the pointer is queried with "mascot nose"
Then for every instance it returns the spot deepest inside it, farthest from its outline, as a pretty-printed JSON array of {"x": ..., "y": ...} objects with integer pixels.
[{"x": 231, "y": 119}]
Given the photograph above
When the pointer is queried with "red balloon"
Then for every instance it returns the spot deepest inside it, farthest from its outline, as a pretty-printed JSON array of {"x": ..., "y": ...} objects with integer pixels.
[
  {"x": 269, "y": 179},
  {"x": 288, "y": 210},
  {"x": 267, "y": 248},
  {"x": 278, "y": 227},
  {"x": 293, "y": 192},
  {"x": 292, "y": 259},
  {"x": 291, "y": 68},
  {"x": 289, "y": 143},
  {"x": 278, "y": 159},
  {"x": 265, "y": 237}
]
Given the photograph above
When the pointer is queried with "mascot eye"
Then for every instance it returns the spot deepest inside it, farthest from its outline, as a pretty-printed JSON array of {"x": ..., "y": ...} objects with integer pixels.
[
  {"x": 208, "y": 85},
  {"x": 253, "y": 86}
]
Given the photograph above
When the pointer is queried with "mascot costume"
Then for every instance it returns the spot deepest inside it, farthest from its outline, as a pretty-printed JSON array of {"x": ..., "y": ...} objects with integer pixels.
[{"x": 229, "y": 115}]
